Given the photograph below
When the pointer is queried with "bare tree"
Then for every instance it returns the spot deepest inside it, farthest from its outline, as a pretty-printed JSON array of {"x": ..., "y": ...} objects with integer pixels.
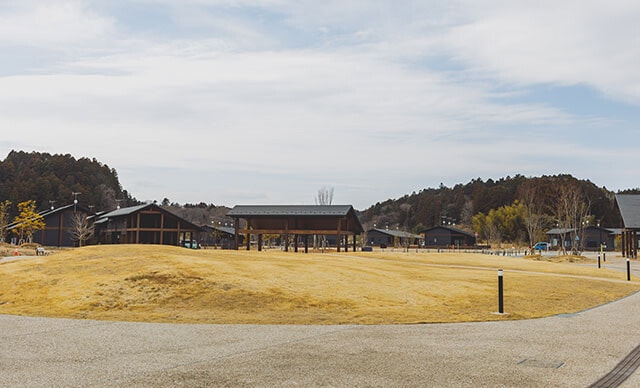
[
  {"x": 81, "y": 229},
  {"x": 570, "y": 211},
  {"x": 324, "y": 197},
  {"x": 534, "y": 218}
]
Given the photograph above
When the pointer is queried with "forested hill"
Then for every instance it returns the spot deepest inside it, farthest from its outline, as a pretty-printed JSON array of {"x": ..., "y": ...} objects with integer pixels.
[
  {"x": 459, "y": 204},
  {"x": 44, "y": 177}
]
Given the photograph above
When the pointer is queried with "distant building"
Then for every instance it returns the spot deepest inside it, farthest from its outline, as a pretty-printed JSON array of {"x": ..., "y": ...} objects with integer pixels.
[
  {"x": 445, "y": 236},
  {"x": 390, "y": 238},
  {"x": 629, "y": 205},
  {"x": 220, "y": 236},
  {"x": 297, "y": 223},
  {"x": 146, "y": 224},
  {"x": 587, "y": 239},
  {"x": 58, "y": 225}
]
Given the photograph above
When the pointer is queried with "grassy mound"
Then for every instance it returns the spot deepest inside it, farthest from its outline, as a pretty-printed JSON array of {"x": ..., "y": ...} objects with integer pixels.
[{"x": 170, "y": 284}]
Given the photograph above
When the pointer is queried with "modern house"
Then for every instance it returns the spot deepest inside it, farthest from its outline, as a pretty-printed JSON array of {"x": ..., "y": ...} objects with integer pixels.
[
  {"x": 59, "y": 224},
  {"x": 445, "y": 236},
  {"x": 388, "y": 238},
  {"x": 589, "y": 238},
  {"x": 629, "y": 205},
  {"x": 220, "y": 237},
  {"x": 146, "y": 224},
  {"x": 297, "y": 221}
]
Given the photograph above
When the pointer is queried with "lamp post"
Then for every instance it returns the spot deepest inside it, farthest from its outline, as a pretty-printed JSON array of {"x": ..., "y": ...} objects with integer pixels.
[{"x": 75, "y": 200}]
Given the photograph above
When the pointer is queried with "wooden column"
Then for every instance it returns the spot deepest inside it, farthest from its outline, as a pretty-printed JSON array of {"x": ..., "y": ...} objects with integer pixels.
[
  {"x": 236, "y": 224},
  {"x": 338, "y": 236},
  {"x": 306, "y": 243},
  {"x": 295, "y": 243},
  {"x": 354, "y": 241},
  {"x": 138, "y": 228},
  {"x": 286, "y": 235},
  {"x": 60, "y": 226},
  {"x": 624, "y": 248},
  {"x": 260, "y": 242},
  {"x": 161, "y": 228}
]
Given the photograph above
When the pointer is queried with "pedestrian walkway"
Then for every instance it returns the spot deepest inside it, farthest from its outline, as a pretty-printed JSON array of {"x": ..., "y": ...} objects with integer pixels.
[{"x": 563, "y": 351}]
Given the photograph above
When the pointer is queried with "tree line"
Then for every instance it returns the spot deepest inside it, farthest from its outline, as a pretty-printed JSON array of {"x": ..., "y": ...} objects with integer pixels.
[
  {"x": 512, "y": 209},
  {"x": 51, "y": 180}
]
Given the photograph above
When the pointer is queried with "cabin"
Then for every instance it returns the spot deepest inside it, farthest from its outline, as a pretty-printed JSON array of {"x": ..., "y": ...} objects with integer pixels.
[
  {"x": 629, "y": 205},
  {"x": 59, "y": 224},
  {"x": 220, "y": 237},
  {"x": 443, "y": 236},
  {"x": 589, "y": 238},
  {"x": 391, "y": 238},
  {"x": 296, "y": 224},
  {"x": 146, "y": 224}
]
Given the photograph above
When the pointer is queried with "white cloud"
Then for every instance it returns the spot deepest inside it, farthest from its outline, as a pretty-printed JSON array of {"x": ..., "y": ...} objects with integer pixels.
[
  {"x": 595, "y": 43},
  {"x": 51, "y": 25},
  {"x": 357, "y": 100}
]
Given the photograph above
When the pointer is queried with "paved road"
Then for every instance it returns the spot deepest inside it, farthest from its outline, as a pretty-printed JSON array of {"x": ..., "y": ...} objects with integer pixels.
[{"x": 561, "y": 351}]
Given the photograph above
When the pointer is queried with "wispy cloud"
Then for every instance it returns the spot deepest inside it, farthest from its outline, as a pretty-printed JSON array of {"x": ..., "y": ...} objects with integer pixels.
[{"x": 356, "y": 93}]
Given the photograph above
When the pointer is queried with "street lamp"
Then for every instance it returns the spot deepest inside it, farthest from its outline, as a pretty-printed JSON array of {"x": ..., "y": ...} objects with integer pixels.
[{"x": 75, "y": 199}]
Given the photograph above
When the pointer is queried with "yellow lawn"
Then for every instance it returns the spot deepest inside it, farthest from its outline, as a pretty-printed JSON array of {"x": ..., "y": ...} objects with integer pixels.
[{"x": 171, "y": 284}]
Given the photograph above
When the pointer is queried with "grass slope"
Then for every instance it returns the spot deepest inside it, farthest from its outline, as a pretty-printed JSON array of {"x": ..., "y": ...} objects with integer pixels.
[{"x": 170, "y": 284}]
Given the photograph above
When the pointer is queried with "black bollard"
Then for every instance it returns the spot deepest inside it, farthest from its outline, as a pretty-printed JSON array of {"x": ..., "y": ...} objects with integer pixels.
[
  {"x": 598, "y": 261},
  {"x": 500, "y": 293},
  {"x": 604, "y": 256},
  {"x": 628, "y": 270}
]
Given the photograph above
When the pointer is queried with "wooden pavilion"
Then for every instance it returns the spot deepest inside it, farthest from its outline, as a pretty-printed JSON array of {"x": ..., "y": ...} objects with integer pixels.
[
  {"x": 146, "y": 224},
  {"x": 629, "y": 205},
  {"x": 298, "y": 221}
]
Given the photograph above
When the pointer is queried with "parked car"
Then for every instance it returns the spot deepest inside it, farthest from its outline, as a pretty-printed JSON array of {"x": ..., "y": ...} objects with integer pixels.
[{"x": 541, "y": 246}]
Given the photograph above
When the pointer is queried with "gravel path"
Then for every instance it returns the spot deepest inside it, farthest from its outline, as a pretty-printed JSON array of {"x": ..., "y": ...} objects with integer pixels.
[
  {"x": 569, "y": 351},
  {"x": 562, "y": 351}
]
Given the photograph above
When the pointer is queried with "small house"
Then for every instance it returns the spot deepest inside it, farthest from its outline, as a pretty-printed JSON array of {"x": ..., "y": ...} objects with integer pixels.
[{"x": 446, "y": 236}]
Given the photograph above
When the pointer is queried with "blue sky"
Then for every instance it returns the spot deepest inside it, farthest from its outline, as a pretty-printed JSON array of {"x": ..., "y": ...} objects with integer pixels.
[{"x": 267, "y": 101}]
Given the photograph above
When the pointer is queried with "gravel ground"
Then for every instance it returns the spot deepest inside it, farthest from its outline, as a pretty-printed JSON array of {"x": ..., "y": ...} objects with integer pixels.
[{"x": 561, "y": 351}]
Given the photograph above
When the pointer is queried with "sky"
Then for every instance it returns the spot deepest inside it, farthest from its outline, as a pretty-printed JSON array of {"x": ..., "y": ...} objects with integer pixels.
[{"x": 268, "y": 101}]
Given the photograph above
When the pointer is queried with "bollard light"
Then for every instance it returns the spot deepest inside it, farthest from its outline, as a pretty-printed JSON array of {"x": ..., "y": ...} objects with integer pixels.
[{"x": 500, "y": 292}]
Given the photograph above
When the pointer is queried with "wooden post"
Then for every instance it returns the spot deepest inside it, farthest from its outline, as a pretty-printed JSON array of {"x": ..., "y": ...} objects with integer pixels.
[
  {"x": 236, "y": 225},
  {"x": 306, "y": 243},
  {"x": 286, "y": 235},
  {"x": 624, "y": 248},
  {"x": 260, "y": 242},
  {"x": 295, "y": 243},
  {"x": 138, "y": 229},
  {"x": 338, "y": 235},
  {"x": 248, "y": 234}
]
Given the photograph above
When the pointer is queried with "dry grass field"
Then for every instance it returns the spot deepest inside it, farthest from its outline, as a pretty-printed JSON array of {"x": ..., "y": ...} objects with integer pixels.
[{"x": 170, "y": 284}]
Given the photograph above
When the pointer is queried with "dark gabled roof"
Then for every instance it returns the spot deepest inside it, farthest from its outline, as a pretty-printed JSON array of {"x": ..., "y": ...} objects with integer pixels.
[
  {"x": 279, "y": 211},
  {"x": 225, "y": 229},
  {"x": 46, "y": 213},
  {"x": 395, "y": 233},
  {"x": 629, "y": 205},
  {"x": 556, "y": 231},
  {"x": 560, "y": 230},
  {"x": 290, "y": 210},
  {"x": 449, "y": 228},
  {"x": 125, "y": 211}
]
